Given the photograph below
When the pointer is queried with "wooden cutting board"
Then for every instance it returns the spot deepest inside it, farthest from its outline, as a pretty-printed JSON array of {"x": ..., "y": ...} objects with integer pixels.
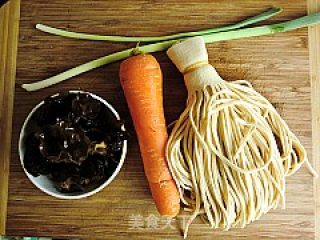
[{"x": 280, "y": 66}]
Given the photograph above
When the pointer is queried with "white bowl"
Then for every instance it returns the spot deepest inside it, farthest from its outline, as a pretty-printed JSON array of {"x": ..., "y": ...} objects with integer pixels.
[{"x": 44, "y": 183}]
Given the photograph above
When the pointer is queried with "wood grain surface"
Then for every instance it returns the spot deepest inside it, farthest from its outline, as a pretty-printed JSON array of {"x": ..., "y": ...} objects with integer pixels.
[
  {"x": 278, "y": 66},
  {"x": 9, "y": 25},
  {"x": 314, "y": 56}
]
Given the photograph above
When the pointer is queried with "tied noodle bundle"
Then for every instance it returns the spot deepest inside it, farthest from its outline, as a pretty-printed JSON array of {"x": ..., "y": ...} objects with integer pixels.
[{"x": 230, "y": 151}]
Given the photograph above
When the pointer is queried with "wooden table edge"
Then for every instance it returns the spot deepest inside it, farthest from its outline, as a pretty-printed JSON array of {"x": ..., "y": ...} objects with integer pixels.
[
  {"x": 314, "y": 62},
  {"x": 9, "y": 15},
  {"x": 9, "y": 30}
]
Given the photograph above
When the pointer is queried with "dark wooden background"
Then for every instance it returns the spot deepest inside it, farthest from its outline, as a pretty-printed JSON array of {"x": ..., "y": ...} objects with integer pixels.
[{"x": 277, "y": 66}]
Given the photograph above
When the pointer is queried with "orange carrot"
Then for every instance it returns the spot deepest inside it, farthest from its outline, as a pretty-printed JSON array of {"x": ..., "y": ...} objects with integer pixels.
[{"x": 141, "y": 80}]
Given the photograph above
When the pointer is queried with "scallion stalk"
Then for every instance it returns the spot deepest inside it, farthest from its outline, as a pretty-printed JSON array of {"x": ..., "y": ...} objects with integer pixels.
[
  {"x": 161, "y": 46},
  {"x": 84, "y": 36}
]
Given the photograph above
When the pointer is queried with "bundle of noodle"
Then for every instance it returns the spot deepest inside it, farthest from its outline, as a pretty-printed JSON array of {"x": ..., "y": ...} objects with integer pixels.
[{"x": 229, "y": 151}]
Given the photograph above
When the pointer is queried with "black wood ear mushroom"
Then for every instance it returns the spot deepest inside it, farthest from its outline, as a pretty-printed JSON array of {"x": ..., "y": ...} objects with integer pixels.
[{"x": 2, "y": 2}]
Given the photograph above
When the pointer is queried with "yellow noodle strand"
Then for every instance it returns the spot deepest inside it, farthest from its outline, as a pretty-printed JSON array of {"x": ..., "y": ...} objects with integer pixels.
[{"x": 229, "y": 153}]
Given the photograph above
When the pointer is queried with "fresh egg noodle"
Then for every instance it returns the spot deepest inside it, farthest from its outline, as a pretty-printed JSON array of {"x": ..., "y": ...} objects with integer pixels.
[{"x": 230, "y": 151}]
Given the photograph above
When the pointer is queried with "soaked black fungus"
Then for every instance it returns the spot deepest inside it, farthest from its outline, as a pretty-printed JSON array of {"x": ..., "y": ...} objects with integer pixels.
[{"x": 75, "y": 140}]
